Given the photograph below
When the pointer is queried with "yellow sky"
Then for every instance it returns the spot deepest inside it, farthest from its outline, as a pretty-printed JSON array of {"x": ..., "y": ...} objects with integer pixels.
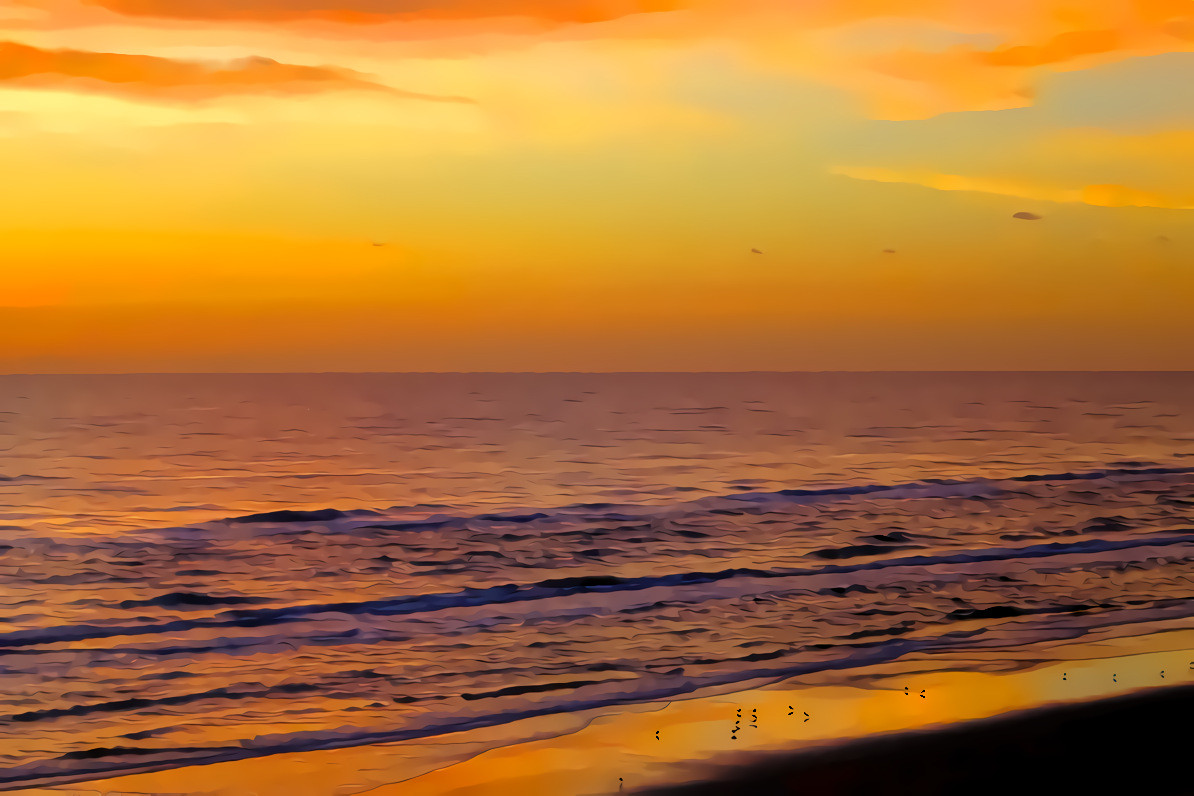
[{"x": 199, "y": 185}]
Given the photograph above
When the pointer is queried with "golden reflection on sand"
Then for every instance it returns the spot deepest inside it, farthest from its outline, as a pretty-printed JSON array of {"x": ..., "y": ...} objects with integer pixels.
[{"x": 585, "y": 754}]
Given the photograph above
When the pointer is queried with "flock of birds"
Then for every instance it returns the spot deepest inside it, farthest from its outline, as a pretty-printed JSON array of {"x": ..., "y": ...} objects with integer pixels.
[
  {"x": 1115, "y": 674},
  {"x": 754, "y": 721},
  {"x": 1023, "y": 215},
  {"x": 885, "y": 251},
  {"x": 754, "y": 712}
]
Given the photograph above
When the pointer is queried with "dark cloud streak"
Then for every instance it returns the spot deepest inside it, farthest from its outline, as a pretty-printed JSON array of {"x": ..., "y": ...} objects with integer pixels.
[
  {"x": 157, "y": 77},
  {"x": 374, "y": 11}
]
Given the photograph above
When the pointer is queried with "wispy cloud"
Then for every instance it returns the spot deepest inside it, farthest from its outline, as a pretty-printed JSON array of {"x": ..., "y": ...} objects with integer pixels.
[
  {"x": 908, "y": 59},
  {"x": 372, "y": 11},
  {"x": 153, "y": 76},
  {"x": 1096, "y": 195}
]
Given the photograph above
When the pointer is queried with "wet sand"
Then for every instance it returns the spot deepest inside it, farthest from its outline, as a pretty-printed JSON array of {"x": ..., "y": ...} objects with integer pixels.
[
  {"x": 1096, "y": 714},
  {"x": 1139, "y": 743}
]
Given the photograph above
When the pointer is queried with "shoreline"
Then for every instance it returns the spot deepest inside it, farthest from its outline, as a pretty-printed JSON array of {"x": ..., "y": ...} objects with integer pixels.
[
  {"x": 1122, "y": 744},
  {"x": 585, "y": 753}
]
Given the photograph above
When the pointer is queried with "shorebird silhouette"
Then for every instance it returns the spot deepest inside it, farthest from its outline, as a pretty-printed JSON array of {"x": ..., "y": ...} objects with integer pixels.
[
  {"x": 657, "y": 735},
  {"x": 620, "y": 783},
  {"x": 1162, "y": 674},
  {"x": 922, "y": 693},
  {"x": 1113, "y": 676},
  {"x": 1063, "y": 675}
]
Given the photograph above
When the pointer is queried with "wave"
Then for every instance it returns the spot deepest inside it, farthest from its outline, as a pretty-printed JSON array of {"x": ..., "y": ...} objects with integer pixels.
[
  {"x": 558, "y": 587},
  {"x": 718, "y": 504},
  {"x": 128, "y": 760},
  {"x": 849, "y": 585}
]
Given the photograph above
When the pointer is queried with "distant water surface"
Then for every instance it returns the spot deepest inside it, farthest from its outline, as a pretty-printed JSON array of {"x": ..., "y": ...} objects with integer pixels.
[{"x": 99, "y": 453}]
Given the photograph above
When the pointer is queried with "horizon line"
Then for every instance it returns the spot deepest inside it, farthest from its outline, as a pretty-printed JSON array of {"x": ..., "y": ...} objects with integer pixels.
[{"x": 576, "y": 372}]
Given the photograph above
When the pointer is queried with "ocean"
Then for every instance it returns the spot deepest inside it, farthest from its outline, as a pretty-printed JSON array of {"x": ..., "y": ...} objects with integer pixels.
[{"x": 196, "y": 568}]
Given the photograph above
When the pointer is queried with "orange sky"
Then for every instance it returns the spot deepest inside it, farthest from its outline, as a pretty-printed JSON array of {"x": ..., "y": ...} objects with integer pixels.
[{"x": 199, "y": 185}]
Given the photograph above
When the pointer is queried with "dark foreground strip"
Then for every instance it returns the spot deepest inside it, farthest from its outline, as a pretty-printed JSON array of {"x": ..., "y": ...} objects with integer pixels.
[{"x": 1123, "y": 745}]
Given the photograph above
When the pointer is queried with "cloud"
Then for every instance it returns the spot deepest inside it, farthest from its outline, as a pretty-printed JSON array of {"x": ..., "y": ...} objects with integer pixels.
[
  {"x": 373, "y": 11},
  {"x": 908, "y": 59},
  {"x": 913, "y": 59},
  {"x": 915, "y": 84},
  {"x": 153, "y": 76},
  {"x": 1095, "y": 195}
]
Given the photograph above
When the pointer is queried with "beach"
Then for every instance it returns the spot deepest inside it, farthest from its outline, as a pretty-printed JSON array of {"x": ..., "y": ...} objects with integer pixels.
[
  {"x": 972, "y": 731},
  {"x": 509, "y": 584},
  {"x": 1118, "y": 745}
]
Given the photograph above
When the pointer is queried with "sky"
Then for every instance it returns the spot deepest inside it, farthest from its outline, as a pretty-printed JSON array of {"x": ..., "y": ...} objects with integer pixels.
[{"x": 577, "y": 185}]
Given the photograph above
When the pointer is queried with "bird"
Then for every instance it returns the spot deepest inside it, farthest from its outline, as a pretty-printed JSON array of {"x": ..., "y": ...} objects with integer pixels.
[
  {"x": 620, "y": 783},
  {"x": 1162, "y": 674},
  {"x": 1063, "y": 675},
  {"x": 1113, "y": 676},
  {"x": 657, "y": 735},
  {"x": 922, "y": 693},
  {"x": 905, "y": 690},
  {"x": 755, "y": 251}
]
